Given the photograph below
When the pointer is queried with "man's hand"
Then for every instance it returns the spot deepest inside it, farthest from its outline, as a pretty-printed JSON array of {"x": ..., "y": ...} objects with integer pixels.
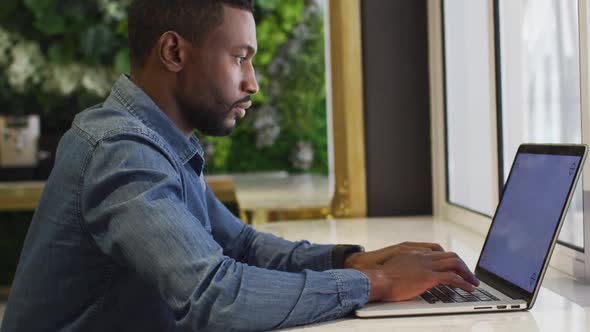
[
  {"x": 409, "y": 274},
  {"x": 373, "y": 259}
]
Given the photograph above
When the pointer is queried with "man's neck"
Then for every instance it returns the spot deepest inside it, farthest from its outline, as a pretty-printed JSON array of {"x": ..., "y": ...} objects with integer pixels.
[{"x": 160, "y": 93}]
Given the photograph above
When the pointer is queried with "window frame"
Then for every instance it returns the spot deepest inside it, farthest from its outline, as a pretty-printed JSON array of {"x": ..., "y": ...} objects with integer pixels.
[
  {"x": 493, "y": 120},
  {"x": 344, "y": 89},
  {"x": 584, "y": 44},
  {"x": 566, "y": 259},
  {"x": 500, "y": 110}
]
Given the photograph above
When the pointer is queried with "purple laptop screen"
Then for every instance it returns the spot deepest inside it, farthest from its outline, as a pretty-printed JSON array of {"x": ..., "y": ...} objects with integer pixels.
[{"x": 527, "y": 217}]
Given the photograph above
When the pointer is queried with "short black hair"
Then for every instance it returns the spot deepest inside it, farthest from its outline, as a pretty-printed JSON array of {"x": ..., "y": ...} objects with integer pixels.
[{"x": 192, "y": 19}]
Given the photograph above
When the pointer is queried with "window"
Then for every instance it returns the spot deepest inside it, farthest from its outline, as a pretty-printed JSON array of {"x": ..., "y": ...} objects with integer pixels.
[
  {"x": 470, "y": 161},
  {"x": 540, "y": 85},
  {"x": 533, "y": 58}
]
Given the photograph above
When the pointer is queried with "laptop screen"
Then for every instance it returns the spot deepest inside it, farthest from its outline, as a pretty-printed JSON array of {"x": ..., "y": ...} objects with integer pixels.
[{"x": 527, "y": 217}]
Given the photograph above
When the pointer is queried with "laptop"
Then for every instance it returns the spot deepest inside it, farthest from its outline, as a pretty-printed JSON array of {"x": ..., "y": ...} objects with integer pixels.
[{"x": 519, "y": 243}]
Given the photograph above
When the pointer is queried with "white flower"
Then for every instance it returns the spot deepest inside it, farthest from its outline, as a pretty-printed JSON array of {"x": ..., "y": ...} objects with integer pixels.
[
  {"x": 63, "y": 79},
  {"x": 97, "y": 80},
  {"x": 267, "y": 126},
  {"x": 274, "y": 88},
  {"x": 275, "y": 65},
  {"x": 26, "y": 66},
  {"x": 296, "y": 47},
  {"x": 113, "y": 9},
  {"x": 302, "y": 156},
  {"x": 302, "y": 32}
]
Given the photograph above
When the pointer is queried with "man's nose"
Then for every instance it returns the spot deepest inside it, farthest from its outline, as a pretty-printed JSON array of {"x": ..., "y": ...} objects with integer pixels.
[{"x": 250, "y": 84}]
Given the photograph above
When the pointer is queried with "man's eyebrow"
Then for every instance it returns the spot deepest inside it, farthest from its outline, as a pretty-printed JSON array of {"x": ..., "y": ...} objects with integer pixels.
[{"x": 248, "y": 47}]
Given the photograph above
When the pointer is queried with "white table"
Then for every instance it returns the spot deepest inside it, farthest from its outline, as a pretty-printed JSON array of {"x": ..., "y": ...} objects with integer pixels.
[{"x": 563, "y": 303}]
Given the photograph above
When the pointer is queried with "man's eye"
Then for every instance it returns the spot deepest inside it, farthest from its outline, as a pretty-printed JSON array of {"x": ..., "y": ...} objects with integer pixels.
[{"x": 241, "y": 59}]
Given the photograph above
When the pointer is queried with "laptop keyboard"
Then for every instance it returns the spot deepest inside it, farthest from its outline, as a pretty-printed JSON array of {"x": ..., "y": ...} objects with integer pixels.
[{"x": 446, "y": 294}]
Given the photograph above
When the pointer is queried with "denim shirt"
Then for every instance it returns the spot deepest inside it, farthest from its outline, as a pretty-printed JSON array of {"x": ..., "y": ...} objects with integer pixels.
[{"x": 127, "y": 236}]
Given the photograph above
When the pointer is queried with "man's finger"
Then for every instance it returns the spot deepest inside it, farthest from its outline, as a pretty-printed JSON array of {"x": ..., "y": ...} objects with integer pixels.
[
  {"x": 408, "y": 248},
  {"x": 431, "y": 246},
  {"x": 447, "y": 264},
  {"x": 437, "y": 255},
  {"x": 458, "y": 266},
  {"x": 381, "y": 256},
  {"x": 454, "y": 280}
]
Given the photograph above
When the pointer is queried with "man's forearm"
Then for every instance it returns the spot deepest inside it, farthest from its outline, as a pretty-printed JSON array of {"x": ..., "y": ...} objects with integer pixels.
[{"x": 271, "y": 252}]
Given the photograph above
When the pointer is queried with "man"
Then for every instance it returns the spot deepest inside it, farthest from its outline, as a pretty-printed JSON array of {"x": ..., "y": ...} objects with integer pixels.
[{"x": 128, "y": 236}]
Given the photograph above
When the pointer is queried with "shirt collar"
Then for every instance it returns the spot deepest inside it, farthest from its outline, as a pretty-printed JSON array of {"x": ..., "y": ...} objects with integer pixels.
[{"x": 140, "y": 105}]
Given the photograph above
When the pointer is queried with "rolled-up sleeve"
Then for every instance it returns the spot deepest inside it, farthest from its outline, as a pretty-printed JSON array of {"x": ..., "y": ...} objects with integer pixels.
[{"x": 133, "y": 208}]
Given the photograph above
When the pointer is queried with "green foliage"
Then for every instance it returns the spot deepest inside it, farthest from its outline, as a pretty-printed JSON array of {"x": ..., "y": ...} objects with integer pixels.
[
  {"x": 89, "y": 35},
  {"x": 122, "y": 62},
  {"x": 68, "y": 32}
]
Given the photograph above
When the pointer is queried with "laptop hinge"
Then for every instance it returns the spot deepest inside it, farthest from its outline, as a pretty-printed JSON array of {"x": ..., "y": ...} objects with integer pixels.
[{"x": 501, "y": 285}]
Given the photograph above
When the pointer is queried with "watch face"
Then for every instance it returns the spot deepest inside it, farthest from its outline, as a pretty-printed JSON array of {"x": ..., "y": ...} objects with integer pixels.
[{"x": 341, "y": 251}]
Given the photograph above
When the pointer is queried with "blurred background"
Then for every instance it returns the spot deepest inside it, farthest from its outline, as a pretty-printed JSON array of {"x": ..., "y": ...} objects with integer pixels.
[{"x": 59, "y": 57}]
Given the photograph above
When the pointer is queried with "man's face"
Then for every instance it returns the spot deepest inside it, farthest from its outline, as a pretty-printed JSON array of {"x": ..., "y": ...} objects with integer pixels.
[{"x": 215, "y": 87}]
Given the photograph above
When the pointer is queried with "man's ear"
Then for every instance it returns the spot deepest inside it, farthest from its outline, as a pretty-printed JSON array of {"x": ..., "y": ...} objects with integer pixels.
[{"x": 172, "y": 51}]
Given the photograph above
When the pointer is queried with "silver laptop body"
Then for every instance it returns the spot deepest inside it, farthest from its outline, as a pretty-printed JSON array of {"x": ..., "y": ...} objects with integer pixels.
[{"x": 520, "y": 241}]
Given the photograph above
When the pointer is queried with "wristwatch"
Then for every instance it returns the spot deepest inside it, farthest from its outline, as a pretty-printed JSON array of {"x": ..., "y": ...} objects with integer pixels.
[{"x": 341, "y": 251}]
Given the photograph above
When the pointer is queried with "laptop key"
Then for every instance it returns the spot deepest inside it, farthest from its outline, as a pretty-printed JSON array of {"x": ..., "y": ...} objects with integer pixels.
[
  {"x": 441, "y": 296},
  {"x": 429, "y": 297},
  {"x": 487, "y": 294},
  {"x": 446, "y": 294}
]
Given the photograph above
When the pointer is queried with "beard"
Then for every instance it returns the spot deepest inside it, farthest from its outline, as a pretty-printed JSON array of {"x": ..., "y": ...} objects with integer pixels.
[
  {"x": 211, "y": 114},
  {"x": 209, "y": 120}
]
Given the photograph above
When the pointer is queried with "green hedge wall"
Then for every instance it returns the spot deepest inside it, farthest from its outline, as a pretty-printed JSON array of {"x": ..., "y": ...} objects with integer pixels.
[{"x": 58, "y": 57}]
